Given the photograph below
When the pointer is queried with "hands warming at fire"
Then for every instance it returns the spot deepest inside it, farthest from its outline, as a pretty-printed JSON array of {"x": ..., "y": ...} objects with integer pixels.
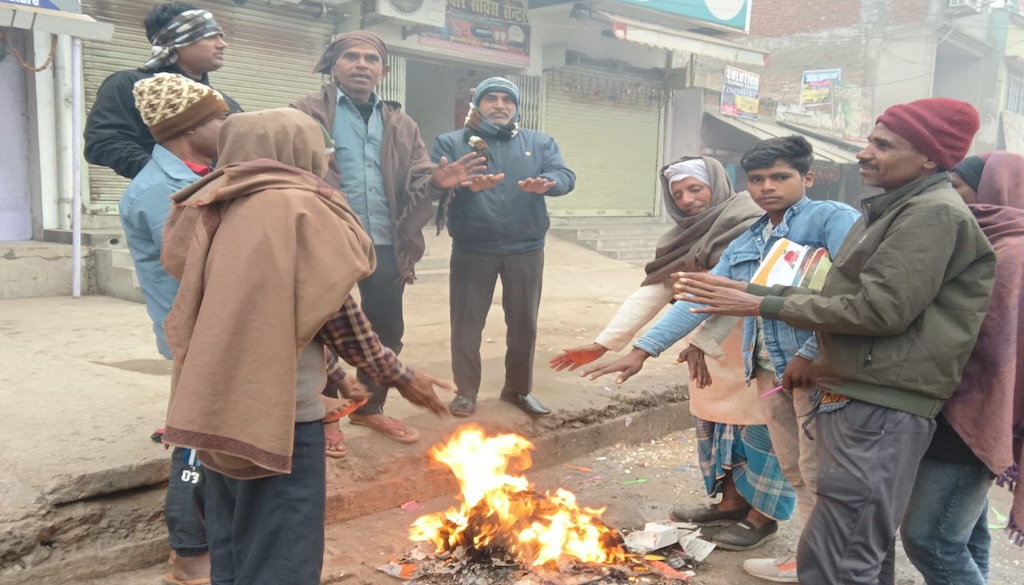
[
  {"x": 719, "y": 295},
  {"x": 627, "y": 366},
  {"x": 420, "y": 391},
  {"x": 539, "y": 185}
]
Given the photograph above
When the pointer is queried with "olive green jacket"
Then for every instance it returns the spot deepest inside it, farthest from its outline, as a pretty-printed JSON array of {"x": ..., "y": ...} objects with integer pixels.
[{"x": 901, "y": 308}]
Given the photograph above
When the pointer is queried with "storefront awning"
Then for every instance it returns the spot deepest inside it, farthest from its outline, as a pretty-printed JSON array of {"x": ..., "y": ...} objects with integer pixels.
[
  {"x": 655, "y": 35},
  {"x": 54, "y": 21},
  {"x": 763, "y": 130}
]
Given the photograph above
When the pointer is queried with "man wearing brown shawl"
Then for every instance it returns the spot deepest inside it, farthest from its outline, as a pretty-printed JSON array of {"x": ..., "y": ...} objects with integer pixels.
[
  {"x": 381, "y": 165},
  {"x": 266, "y": 252},
  {"x": 978, "y": 435}
]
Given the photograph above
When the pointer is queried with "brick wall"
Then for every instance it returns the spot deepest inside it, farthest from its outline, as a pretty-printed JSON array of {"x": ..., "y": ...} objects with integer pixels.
[
  {"x": 781, "y": 18},
  {"x": 908, "y": 11}
]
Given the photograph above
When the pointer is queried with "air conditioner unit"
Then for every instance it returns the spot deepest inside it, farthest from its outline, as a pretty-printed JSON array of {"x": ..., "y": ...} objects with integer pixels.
[
  {"x": 969, "y": 5},
  {"x": 428, "y": 12}
]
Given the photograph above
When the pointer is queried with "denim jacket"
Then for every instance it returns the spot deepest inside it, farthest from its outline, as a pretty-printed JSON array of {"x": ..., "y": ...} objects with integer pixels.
[
  {"x": 145, "y": 207},
  {"x": 822, "y": 224}
]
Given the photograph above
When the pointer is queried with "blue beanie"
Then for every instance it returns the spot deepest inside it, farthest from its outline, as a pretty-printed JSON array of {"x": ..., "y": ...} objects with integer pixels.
[{"x": 494, "y": 84}]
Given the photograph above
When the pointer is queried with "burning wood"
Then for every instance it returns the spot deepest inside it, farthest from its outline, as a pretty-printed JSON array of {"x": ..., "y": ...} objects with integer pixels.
[
  {"x": 500, "y": 513},
  {"x": 505, "y": 533}
]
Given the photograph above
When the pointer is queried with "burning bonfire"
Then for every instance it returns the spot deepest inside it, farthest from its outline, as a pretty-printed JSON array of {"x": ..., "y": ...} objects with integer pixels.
[{"x": 501, "y": 515}]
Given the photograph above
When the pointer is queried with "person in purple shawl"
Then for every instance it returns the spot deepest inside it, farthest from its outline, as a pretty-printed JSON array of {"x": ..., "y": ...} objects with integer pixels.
[{"x": 979, "y": 434}]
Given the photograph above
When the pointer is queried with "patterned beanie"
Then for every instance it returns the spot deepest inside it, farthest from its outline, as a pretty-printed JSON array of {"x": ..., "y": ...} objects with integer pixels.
[
  {"x": 172, "y": 105},
  {"x": 940, "y": 128}
]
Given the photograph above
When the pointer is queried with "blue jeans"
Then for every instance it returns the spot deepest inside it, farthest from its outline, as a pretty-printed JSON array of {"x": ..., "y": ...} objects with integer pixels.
[
  {"x": 183, "y": 507},
  {"x": 945, "y": 529}
]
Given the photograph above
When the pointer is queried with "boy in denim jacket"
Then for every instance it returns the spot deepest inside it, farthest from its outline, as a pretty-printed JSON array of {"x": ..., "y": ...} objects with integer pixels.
[{"x": 778, "y": 175}]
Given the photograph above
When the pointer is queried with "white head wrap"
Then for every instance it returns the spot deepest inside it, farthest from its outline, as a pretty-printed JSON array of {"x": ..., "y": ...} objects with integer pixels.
[{"x": 694, "y": 167}]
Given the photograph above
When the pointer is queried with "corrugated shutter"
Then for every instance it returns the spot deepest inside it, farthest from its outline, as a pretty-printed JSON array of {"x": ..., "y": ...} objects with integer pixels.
[
  {"x": 392, "y": 89},
  {"x": 270, "y": 55},
  {"x": 609, "y": 130}
]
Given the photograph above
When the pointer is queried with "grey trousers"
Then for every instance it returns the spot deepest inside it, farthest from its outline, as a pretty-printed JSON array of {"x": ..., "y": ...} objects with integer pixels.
[
  {"x": 472, "y": 279},
  {"x": 867, "y": 462}
]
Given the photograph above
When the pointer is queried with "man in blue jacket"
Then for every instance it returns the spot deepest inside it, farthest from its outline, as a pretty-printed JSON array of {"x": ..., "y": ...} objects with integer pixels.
[
  {"x": 184, "y": 116},
  {"x": 498, "y": 222}
]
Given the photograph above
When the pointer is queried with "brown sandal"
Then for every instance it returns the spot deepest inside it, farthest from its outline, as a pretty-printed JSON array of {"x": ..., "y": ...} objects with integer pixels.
[
  {"x": 334, "y": 440},
  {"x": 390, "y": 427}
]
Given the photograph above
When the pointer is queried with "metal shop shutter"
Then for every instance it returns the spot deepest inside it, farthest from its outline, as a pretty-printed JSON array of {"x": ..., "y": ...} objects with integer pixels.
[
  {"x": 612, "y": 146},
  {"x": 268, "y": 62}
]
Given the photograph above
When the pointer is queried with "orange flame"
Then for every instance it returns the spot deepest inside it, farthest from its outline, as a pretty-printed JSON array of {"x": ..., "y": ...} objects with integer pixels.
[{"x": 499, "y": 511}]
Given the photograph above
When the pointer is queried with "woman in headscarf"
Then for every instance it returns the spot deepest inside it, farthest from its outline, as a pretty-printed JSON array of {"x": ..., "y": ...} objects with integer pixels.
[
  {"x": 708, "y": 215},
  {"x": 980, "y": 430}
]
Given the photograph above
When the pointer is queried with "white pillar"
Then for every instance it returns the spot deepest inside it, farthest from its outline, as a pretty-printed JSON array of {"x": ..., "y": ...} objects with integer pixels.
[{"x": 63, "y": 104}]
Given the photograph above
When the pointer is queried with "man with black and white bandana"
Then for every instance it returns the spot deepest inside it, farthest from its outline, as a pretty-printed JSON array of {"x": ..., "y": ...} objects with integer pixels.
[{"x": 185, "y": 40}]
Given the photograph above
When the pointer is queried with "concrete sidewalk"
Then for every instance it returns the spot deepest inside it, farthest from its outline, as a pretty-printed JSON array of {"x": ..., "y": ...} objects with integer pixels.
[{"x": 83, "y": 387}]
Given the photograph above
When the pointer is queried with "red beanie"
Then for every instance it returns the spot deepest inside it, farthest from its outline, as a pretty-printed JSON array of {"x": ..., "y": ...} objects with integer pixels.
[{"x": 940, "y": 128}]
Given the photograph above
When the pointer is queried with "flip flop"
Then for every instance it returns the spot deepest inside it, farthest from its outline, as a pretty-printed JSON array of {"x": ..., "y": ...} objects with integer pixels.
[
  {"x": 334, "y": 436},
  {"x": 390, "y": 427},
  {"x": 170, "y": 579},
  {"x": 338, "y": 408}
]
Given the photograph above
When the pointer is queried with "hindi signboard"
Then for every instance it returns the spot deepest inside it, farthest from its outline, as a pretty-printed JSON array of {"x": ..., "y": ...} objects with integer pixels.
[{"x": 495, "y": 29}]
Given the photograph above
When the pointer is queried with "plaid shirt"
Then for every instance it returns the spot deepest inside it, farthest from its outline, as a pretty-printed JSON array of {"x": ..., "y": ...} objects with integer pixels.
[{"x": 347, "y": 334}]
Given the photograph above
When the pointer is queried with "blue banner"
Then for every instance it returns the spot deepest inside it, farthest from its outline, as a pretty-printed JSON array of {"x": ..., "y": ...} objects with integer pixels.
[
  {"x": 734, "y": 14},
  {"x": 47, "y": 4}
]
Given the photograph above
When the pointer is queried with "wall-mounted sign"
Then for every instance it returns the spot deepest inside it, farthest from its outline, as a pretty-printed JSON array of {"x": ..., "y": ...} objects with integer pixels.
[
  {"x": 47, "y": 4},
  {"x": 734, "y": 14},
  {"x": 496, "y": 29},
  {"x": 741, "y": 93},
  {"x": 816, "y": 87}
]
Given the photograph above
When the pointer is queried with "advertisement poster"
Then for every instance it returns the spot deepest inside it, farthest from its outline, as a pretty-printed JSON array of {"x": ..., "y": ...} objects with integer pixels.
[
  {"x": 496, "y": 29},
  {"x": 740, "y": 93},
  {"x": 816, "y": 87}
]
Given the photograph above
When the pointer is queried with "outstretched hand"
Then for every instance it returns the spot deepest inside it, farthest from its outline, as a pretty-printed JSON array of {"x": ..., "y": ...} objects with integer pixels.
[
  {"x": 719, "y": 298},
  {"x": 478, "y": 183},
  {"x": 577, "y": 356},
  {"x": 420, "y": 391},
  {"x": 538, "y": 185},
  {"x": 709, "y": 278},
  {"x": 449, "y": 175},
  {"x": 627, "y": 366}
]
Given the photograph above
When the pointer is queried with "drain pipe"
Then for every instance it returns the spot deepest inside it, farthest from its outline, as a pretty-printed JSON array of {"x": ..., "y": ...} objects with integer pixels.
[{"x": 76, "y": 167}]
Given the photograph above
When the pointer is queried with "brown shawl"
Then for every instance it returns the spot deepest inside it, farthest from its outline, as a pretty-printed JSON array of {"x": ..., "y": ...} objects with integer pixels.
[
  {"x": 989, "y": 405},
  {"x": 696, "y": 242},
  {"x": 265, "y": 252},
  {"x": 405, "y": 167}
]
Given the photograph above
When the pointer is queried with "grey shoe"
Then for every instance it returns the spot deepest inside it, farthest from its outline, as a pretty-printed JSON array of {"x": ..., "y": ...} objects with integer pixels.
[
  {"x": 708, "y": 514},
  {"x": 743, "y": 535}
]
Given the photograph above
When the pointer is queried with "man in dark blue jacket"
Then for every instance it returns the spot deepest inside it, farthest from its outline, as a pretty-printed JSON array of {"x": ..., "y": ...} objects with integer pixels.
[{"x": 498, "y": 222}]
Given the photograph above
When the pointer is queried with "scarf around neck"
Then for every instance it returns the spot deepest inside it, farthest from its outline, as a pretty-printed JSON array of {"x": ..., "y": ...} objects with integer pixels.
[
  {"x": 987, "y": 410},
  {"x": 696, "y": 242}
]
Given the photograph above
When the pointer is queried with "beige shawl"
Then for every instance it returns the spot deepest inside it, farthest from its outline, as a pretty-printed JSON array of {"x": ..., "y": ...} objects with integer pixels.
[{"x": 265, "y": 252}]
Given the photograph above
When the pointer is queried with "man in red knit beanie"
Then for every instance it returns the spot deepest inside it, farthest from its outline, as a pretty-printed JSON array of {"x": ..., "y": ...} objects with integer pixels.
[{"x": 896, "y": 320}]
